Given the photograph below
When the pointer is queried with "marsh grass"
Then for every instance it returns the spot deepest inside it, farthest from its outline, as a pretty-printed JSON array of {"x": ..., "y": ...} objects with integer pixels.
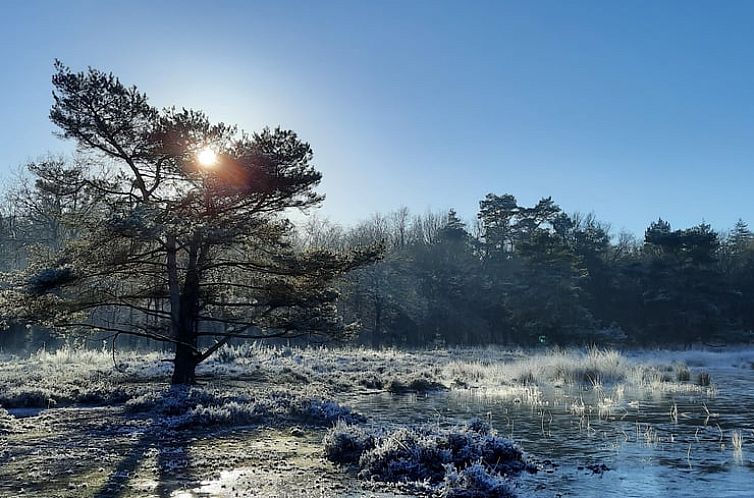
[
  {"x": 674, "y": 413},
  {"x": 70, "y": 376},
  {"x": 7, "y": 421},
  {"x": 704, "y": 379},
  {"x": 737, "y": 441},
  {"x": 682, "y": 372},
  {"x": 594, "y": 369}
]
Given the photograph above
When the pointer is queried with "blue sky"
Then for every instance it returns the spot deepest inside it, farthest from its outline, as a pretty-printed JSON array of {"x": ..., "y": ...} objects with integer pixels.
[{"x": 632, "y": 109}]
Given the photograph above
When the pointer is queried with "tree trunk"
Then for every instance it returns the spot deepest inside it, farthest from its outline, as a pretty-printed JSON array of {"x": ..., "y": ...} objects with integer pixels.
[
  {"x": 184, "y": 369},
  {"x": 377, "y": 331},
  {"x": 184, "y": 312}
]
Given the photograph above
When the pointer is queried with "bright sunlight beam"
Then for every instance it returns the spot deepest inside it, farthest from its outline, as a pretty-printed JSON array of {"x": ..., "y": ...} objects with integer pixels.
[{"x": 207, "y": 157}]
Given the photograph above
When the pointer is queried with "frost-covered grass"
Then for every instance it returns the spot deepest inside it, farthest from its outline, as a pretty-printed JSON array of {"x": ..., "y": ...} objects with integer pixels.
[
  {"x": 466, "y": 461},
  {"x": 587, "y": 367},
  {"x": 49, "y": 395},
  {"x": 69, "y": 363},
  {"x": 345, "y": 443},
  {"x": 272, "y": 409},
  {"x": 474, "y": 481},
  {"x": 7, "y": 421},
  {"x": 592, "y": 368},
  {"x": 198, "y": 407},
  {"x": 415, "y": 383},
  {"x": 71, "y": 376},
  {"x": 137, "y": 382},
  {"x": 732, "y": 357},
  {"x": 79, "y": 377}
]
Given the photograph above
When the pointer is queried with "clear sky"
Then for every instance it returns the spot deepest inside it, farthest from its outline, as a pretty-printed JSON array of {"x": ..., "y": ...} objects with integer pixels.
[{"x": 631, "y": 109}]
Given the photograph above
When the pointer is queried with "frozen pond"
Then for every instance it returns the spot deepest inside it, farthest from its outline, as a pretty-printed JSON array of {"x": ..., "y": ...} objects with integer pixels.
[
  {"x": 671, "y": 442},
  {"x": 598, "y": 423}
]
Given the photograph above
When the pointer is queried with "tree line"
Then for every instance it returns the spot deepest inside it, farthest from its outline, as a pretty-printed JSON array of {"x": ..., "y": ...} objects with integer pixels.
[
  {"x": 521, "y": 275},
  {"x": 516, "y": 275}
]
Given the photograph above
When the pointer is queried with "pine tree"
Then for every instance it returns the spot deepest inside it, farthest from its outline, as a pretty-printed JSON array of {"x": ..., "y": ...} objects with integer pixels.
[{"x": 176, "y": 249}]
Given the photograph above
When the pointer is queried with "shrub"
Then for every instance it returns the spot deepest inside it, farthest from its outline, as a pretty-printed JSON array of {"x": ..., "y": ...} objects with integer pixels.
[
  {"x": 186, "y": 407},
  {"x": 324, "y": 412},
  {"x": 417, "y": 384},
  {"x": 475, "y": 481},
  {"x": 406, "y": 455},
  {"x": 176, "y": 401},
  {"x": 48, "y": 396},
  {"x": 423, "y": 454},
  {"x": 345, "y": 443},
  {"x": 226, "y": 414},
  {"x": 371, "y": 381},
  {"x": 479, "y": 425},
  {"x": 23, "y": 397}
]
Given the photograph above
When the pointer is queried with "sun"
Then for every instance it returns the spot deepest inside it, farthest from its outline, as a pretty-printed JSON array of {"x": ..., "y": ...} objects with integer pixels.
[{"x": 207, "y": 157}]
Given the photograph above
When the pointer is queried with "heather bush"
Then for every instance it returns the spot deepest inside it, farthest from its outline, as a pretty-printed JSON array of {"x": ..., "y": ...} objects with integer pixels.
[
  {"x": 177, "y": 400},
  {"x": 345, "y": 443},
  {"x": 474, "y": 481},
  {"x": 406, "y": 455},
  {"x": 425, "y": 454},
  {"x": 415, "y": 384},
  {"x": 44, "y": 395},
  {"x": 189, "y": 407}
]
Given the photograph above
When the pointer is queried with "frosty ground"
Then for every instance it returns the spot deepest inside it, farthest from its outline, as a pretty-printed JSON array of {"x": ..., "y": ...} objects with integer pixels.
[{"x": 279, "y": 421}]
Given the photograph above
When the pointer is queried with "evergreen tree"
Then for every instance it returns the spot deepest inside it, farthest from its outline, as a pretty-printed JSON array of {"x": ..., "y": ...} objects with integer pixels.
[{"x": 181, "y": 250}]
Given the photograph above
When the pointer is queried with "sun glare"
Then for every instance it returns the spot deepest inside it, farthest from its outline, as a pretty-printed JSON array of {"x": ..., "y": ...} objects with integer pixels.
[{"x": 207, "y": 157}]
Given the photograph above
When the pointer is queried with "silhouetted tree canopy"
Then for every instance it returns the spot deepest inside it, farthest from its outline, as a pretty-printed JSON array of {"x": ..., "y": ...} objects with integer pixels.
[{"x": 148, "y": 242}]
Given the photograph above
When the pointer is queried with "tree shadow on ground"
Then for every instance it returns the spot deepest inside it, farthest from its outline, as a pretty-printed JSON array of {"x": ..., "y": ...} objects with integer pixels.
[{"x": 167, "y": 451}]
